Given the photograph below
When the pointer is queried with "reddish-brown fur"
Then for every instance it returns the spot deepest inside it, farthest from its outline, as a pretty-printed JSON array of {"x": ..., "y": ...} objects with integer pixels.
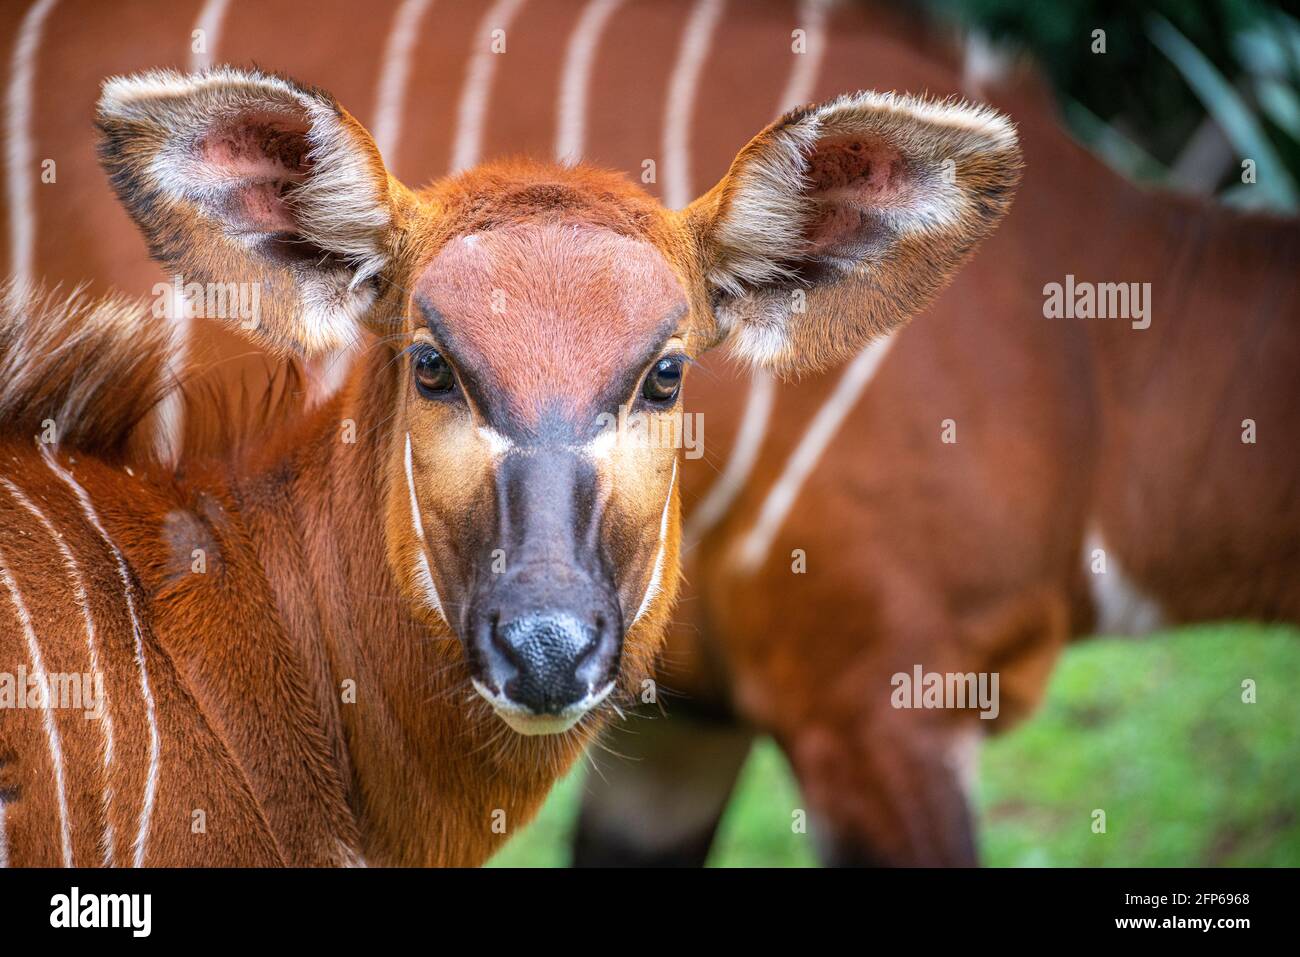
[
  {"x": 964, "y": 557},
  {"x": 255, "y": 733},
  {"x": 285, "y": 597},
  {"x": 282, "y": 722}
]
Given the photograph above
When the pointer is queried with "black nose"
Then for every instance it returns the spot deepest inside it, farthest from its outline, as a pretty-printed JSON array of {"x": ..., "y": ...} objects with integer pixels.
[
  {"x": 546, "y": 631},
  {"x": 547, "y": 662}
]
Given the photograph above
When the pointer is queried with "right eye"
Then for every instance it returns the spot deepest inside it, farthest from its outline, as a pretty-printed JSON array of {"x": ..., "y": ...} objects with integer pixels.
[
  {"x": 433, "y": 375},
  {"x": 663, "y": 381}
]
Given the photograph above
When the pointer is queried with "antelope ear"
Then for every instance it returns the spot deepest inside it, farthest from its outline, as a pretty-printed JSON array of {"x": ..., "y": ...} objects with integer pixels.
[
  {"x": 242, "y": 177},
  {"x": 841, "y": 220}
]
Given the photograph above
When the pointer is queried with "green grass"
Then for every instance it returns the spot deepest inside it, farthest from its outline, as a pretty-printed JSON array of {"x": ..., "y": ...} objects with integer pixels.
[{"x": 1153, "y": 732}]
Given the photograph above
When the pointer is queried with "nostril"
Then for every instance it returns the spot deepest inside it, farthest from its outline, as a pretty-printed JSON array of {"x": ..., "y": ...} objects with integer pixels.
[
  {"x": 500, "y": 641},
  {"x": 592, "y": 643}
]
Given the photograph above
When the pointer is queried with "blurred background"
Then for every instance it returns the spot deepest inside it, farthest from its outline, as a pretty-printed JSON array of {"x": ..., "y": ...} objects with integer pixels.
[
  {"x": 1151, "y": 729},
  {"x": 1188, "y": 88},
  {"x": 1199, "y": 778}
]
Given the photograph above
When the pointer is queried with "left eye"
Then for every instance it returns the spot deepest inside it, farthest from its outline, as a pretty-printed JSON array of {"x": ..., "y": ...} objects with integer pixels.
[
  {"x": 433, "y": 375},
  {"x": 663, "y": 381}
]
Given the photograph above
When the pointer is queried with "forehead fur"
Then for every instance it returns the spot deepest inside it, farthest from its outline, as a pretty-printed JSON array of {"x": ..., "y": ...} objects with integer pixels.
[
  {"x": 513, "y": 191},
  {"x": 551, "y": 317}
]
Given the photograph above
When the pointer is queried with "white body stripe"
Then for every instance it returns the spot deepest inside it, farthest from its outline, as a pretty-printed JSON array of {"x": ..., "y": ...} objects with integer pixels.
[
  {"x": 984, "y": 65},
  {"x": 964, "y": 759},
  {"x": 4, "y": 837},
  {"x": 92, "y": 643},
  {"x": 20, "y": 159},
  {"x": 169, "y": 417},
  {"x": 657, "y": 575},
  {"x": 1120, "y": 606},
  {"x": 390, "y": 100},
  {"x": 124, "y": 574},
  {"x": 326, "y": 374},
  {"x": 575, "y": 83},
  {"x": 753, "y": 548},
  {"x": 807, "y": 65},
  {"x": 423, "y": 570},
  {"x": 47, "y": 711},
  {"x": 727, "y": 487},
  {"x": 477, "y": 91},
  {"x": 211, "y": 16},
  {"x": 679, "y": 107}
]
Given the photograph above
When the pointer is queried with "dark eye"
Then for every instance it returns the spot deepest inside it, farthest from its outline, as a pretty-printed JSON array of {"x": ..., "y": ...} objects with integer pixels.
[
  {"x": 433, "y": 375},
  {"x": 663, "y": 381}
]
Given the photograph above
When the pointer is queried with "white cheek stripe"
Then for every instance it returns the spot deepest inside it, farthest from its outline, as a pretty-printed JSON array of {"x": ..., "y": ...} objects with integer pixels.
[
  {"x": 753, "y": 548},
  {"x": 146, "y": 692},
  {"x": 92, "y": 643},
  {"x": 679, "y": 107},
  {"x": 21, "y": 169},
  {"x": 477, "y": 91},
  {"x": 423, "y": 571},
  {"x": 657, "y": 576},
  {"x": 579, "y": 59},
  {"x": 47, "y": 711}
]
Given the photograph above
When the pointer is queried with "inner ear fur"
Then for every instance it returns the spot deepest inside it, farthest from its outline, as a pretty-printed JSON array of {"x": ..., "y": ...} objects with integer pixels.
[
  {"x": 246, "y": 177},
  {"x": 841, "y": 220}
]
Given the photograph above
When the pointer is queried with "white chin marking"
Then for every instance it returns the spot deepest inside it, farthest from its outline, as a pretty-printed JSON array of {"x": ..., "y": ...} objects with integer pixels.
[
  {"x": 525, "y": 722},
  {"x": 538, "y": 724}
]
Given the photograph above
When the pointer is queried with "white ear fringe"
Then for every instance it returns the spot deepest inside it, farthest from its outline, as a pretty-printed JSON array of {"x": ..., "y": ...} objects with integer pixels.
[
  {"x": 766, "y": 220},
  {"x": 343, "y": 206}
]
